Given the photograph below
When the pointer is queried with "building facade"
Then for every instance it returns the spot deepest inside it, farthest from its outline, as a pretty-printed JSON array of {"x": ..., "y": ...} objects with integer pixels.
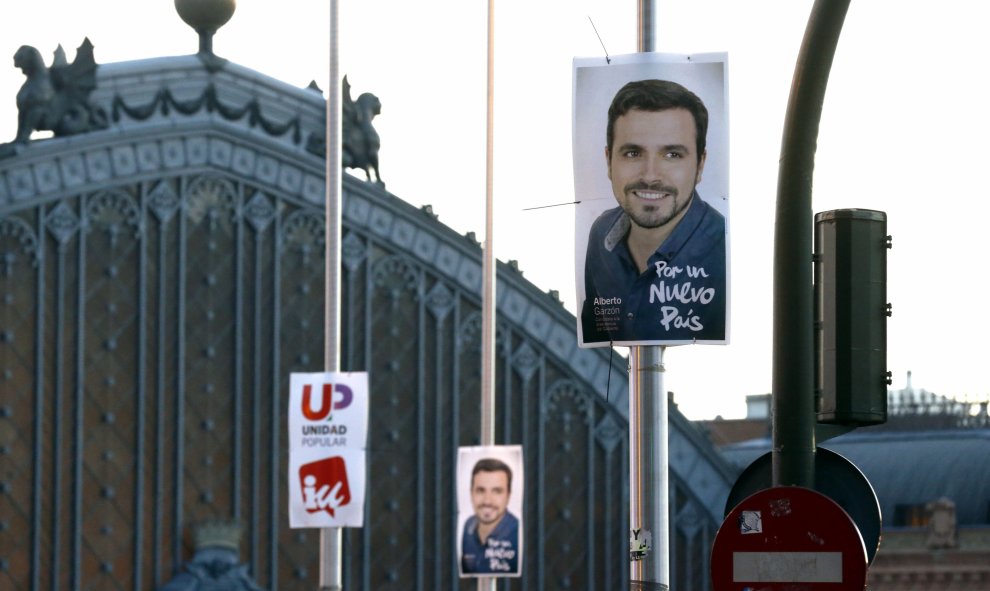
[{"x": 162, "y": 274}]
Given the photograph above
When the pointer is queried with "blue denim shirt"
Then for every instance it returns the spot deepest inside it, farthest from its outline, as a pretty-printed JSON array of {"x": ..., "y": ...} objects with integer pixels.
[
  {"x": 680, "y": 298},
  {"x": 499, "y": 554}
]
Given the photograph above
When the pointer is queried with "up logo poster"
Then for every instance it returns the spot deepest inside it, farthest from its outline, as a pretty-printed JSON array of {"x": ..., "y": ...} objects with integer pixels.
[
  {"x": 328, "y": 433},
  {"x": 489, "y": 511}
]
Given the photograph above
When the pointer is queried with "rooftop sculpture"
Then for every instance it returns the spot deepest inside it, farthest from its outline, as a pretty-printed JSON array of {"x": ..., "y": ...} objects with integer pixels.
[
  {"x": 206, "y": 17},
  {"x": 56, "y": 98},
  {"x": 360, "y": 140}
]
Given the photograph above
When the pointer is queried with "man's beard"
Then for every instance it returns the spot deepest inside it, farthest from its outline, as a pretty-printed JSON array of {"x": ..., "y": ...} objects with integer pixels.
[
  {"x": 649, "y": 215},
  {"x": 496, "y": 515}
]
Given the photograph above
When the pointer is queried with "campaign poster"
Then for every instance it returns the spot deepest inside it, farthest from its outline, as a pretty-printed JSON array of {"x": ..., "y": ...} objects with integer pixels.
[
  {"x": 489, "y": 511},
  {"x": 328, "y": 433},
  {"x": 651, "y": 164}
]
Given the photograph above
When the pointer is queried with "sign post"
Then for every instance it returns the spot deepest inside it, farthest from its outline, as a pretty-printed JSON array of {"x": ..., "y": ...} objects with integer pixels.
[
  {"x": 488, "y": 304},
  {"x": 785, "y": 538},
  {"x": 649, "y": 485},
  {"x": 331, "y": 552}
]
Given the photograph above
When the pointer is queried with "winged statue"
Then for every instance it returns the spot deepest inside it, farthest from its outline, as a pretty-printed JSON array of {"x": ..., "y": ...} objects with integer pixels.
[
  {"x": 56, "y": 98},
  {"x": 359, "y": 138}
]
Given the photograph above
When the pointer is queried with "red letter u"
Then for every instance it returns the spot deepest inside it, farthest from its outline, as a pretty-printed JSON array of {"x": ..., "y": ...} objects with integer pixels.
[{"x": 307, "y": 408}]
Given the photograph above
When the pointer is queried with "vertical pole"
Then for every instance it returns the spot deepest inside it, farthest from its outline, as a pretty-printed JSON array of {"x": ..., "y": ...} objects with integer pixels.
[
  {"x": 648, "y": 427},
  {"x": 488, "y": 264},
  {"x": 646, "y": 26},
  {"x": 648, "y": 465},
  {"x": 331, "y": 559},
  {"x": 793, "y": 415},
  {"x": 488, "y": 272}
]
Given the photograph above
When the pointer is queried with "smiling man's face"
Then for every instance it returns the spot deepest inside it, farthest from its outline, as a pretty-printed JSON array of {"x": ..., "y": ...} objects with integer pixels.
[
  {"x": 490, "y": 495},
  {"x": 654, "y": 166}
]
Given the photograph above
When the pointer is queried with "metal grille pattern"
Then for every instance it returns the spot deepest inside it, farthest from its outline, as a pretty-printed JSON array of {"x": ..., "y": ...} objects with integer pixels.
[{"x": 147, "y": 332}]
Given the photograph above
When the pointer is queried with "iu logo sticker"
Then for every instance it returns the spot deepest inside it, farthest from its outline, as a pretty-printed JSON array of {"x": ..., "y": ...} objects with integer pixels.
[{"x": 324, "y": 485}]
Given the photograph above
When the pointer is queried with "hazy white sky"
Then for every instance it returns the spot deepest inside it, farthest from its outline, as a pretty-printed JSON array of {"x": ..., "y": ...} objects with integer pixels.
[{"x": 903, "y": 131}]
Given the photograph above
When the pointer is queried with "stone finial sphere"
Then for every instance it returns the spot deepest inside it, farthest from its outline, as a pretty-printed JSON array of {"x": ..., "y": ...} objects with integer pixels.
[{"x": 205, "y": 15}]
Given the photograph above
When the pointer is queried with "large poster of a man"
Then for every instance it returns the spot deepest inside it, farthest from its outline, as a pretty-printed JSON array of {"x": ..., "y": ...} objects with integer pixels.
[
  {"x": 489, "y": 501},
  {"x": 651, "y": 182}
]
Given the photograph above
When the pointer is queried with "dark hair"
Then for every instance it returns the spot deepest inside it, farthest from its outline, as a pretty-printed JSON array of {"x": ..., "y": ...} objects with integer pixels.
[
  {"x": 492, "y": 465},
  {"x": 657, "y": 95}
]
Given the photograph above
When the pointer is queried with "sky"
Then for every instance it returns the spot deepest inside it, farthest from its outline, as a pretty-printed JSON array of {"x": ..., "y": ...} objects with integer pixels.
[{"x": 903, "y": 130}]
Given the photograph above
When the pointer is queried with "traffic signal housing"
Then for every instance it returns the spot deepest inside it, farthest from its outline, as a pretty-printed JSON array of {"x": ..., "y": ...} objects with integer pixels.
[{"x": 851, "y": 310}]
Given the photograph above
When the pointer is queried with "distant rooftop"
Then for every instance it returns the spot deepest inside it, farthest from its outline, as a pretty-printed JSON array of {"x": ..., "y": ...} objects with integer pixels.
[{"x": 909, "y": 468}]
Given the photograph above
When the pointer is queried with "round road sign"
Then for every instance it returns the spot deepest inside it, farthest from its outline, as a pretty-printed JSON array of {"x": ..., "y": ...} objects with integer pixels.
[
  {"x": 835, "y": 477},
  {"x": 788, "y": 538}
]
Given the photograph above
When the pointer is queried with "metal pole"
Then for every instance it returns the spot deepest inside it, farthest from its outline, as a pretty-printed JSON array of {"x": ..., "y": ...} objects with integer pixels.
[
  {"x": 648, "y": 468},
  {"x": 488, "y": 272},
  {"x": 646, "y": 26},
  {"x": 488, "y": 264},
  {"x": 793, "y": 454},
  {"x": 648, "y": 427},
  {"x": 331, "y": 559}
]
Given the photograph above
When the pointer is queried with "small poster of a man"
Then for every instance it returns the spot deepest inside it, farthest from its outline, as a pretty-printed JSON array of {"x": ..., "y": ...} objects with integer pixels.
[
  {"x": 651, "y": 185},
  {"x": 489, "y": 501}
]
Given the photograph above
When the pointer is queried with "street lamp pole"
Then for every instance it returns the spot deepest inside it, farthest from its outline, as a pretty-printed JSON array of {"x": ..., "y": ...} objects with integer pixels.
[{"x": 793, "y": 450}]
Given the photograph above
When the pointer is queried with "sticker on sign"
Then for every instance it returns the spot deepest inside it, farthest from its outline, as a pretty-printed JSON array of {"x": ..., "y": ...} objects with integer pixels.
[{"x": 787, "y": 567}]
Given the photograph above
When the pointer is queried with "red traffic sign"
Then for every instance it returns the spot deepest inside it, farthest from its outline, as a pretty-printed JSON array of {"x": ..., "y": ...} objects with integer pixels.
[{"x": 788, "y": 538}]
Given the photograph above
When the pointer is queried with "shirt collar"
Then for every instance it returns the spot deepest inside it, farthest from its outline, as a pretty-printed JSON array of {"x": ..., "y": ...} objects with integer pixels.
[{"x": 620, "y": 228}]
